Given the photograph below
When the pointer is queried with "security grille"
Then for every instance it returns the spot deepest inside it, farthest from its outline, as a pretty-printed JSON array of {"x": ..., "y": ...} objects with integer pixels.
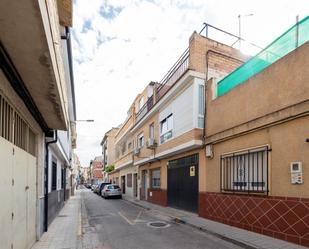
[
  {"x": 6, "y": 129},
  {"x": 245, "y": 171},
  {"x": 15, "y": 129}
]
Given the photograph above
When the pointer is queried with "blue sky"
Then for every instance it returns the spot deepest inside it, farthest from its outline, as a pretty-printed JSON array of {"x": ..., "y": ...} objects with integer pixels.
[{"x": 119, "y": 46}]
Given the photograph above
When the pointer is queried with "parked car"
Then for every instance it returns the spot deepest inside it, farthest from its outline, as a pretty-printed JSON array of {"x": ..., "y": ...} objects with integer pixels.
[
  {"x": 111, "y": 190},
  {"x": 101, "y": 186},
  {"x": 93, "y": 186},
  {"x": 87, "y": 185}
]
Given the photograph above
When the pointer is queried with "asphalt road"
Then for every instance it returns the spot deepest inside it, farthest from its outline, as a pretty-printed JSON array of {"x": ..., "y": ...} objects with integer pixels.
[{"x": 118, "y": 224}]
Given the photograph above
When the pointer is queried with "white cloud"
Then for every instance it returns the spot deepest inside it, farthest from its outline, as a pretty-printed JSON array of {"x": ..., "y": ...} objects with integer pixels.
[{"x": 137, "y": 42}]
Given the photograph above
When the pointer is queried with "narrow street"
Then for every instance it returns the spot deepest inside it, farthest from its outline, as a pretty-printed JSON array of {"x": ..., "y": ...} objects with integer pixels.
[{"x": 118, "y": 224}]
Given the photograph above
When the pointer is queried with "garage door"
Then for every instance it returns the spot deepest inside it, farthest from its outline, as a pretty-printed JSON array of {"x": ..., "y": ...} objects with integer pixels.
[
  {"x": 182, "y": 183},
  {"x": 18, "y": 189}
]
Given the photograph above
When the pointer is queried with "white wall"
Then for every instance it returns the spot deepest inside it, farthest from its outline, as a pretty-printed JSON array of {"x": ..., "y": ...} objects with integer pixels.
[{"x": 184, "y": 108}]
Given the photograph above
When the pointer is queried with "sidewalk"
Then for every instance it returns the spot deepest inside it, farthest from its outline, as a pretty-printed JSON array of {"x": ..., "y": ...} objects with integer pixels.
[
  {"x": 65, "y": 231},
  {"x": 235, "y": 235}
]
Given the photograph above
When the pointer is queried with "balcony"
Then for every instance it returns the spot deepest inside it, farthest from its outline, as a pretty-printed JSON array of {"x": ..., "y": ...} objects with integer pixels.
[{"x": 168, "y": 81}]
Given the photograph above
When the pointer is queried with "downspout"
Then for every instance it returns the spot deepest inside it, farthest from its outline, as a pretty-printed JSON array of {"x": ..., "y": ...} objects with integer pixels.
[
  {"x": 206, "y": 79},
  {"x": 46, "y": 179},
  {"x": 67, "y": 37}
]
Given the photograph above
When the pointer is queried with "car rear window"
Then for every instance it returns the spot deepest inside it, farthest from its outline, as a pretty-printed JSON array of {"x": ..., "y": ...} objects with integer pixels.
[{"x": 113, "y": 187}]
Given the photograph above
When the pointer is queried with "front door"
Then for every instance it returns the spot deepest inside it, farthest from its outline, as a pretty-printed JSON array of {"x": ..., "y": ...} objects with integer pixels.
[
  {"x": 182, "y": 183},
  {"x": 144, "y": 185},
  {"x": 135, "y": 185},
  {"x": 123, "y": 184}
]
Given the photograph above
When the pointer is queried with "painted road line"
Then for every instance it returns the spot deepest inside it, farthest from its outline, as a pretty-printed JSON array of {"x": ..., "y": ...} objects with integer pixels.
[
  {"x": 139, "y": 214},
  {"x": 126, "y": 219}
]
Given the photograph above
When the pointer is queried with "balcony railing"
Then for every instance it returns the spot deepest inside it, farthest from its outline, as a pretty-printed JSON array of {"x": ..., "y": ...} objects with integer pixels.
[
  {"x": 177, "y": 70},
  {"x": 145, "y": 108}
]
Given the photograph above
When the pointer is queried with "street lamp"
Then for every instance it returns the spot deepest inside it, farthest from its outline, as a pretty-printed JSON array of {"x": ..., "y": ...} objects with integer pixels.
[
  {"x": 239, "y": 27},
  {"x": 84, "y": 120}
]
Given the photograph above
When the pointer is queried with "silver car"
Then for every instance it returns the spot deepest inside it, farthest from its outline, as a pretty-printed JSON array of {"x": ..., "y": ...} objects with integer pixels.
[{"x": 111, "y": 190}]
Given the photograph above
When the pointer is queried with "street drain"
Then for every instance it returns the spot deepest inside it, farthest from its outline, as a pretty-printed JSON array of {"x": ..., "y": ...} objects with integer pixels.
[
  {"x": 62, "y": 215},
  {"x": 157, "y": 224}
]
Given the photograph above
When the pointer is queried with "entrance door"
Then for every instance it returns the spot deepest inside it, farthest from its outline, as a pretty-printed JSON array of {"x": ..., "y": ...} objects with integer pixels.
[
  {"x": 144, "y": 185},
  {"x": 182, "y": 183},
  {"x": 123, "y": 184},
  {"x": 135, "y": 185}
]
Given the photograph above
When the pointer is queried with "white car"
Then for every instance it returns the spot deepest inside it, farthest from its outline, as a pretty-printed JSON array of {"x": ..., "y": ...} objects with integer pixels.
[{"x": 111, "y": 190}]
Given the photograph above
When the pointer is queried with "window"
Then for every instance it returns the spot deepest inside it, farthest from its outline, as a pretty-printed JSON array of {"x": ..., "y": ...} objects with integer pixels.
[
  {"x": 166, "y": 127},
  {"x": 140, "y": 141},
  {"x": 151, "y": 131},
  {"x": 155, "y": 178},
  {"x": 123, "y": 148},
  {"x": 129, "y": 180},
  {"x": 201, "y": 106},
  {"x": 62, "y": 178},
  {"x": 129, "y": 146},
  {"x": 245, "y": 171},
  {"x": 54, "y": 175}
]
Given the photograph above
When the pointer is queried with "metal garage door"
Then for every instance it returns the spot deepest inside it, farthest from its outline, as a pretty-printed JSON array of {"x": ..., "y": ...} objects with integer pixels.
[
  {"x": 18, "y": 189},
  {"x": 182, "y": 183}
]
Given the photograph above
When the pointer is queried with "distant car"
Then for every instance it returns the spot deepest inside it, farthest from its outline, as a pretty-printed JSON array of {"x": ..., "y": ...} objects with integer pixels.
[
  {"x": 87, "y": 185},
  {"x": 101, "y": 186},
  {"x": 93, "y": 187},
  {"x": 111, "y": 190}
]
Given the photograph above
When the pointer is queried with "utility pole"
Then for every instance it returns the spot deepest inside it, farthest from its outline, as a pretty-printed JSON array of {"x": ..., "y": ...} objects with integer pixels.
[{"x": 239, "y": 26}]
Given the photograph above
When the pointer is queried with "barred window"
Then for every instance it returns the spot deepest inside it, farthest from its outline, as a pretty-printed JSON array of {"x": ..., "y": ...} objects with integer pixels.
[
  {"x": 155, "y": 178},
  {"x": 245, "y": 171},
  {"x": 15, "y": 129}
]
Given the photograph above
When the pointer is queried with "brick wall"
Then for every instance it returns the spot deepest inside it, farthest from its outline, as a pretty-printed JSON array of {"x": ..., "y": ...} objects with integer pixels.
[
  {"x": 284, "y": 218},
  {"x": 199, "y": 46}
]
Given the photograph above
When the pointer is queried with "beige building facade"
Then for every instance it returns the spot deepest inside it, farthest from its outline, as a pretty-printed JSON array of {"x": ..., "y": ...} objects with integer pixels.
[
  {"x": 33, "y": 56},
  {"x": 257, "y": 169}
]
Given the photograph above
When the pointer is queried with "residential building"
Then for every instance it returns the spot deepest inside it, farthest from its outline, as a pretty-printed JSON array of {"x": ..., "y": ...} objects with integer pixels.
[
  {"x": 257, "y": 142},
  {"x": 108, "y": 150},
  {"x": 169, "y": 127},
  {"x": 96, "y": 170},
  {"x": 124, "y": 168},
  {"x": 36, "y": 108},
  {"x": 160, "y": 142}
]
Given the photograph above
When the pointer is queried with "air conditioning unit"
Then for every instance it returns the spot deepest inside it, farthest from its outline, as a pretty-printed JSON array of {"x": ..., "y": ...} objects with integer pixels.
[
  {"x": 136, "y": 151},
  {"x": 151, "y": 143}
]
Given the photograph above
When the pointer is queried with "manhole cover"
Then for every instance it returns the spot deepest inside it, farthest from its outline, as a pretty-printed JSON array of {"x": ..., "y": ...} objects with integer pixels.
[{"x": 157, "y": 224}]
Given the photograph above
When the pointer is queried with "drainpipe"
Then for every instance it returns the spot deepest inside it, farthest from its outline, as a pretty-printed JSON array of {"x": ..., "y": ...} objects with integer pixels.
[
  {"x": 206, "y": 79},
  {"x": 46, "y": 179}
]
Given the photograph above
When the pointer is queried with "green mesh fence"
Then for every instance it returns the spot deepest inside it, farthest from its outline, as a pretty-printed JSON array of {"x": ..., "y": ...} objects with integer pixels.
[{"x": 287, "y": 42}]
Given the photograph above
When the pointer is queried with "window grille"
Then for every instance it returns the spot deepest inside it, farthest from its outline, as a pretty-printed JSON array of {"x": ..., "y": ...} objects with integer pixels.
[
  {"x": 245, "y": 171},
  {"x": 15, "y": 129},
  {"x": 6, "y": 112}
]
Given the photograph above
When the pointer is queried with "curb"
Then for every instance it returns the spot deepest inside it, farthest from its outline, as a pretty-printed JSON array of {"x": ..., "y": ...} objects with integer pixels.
[
  {"x": 184, "y": 222},
  {"x": 136, "y": 204}
]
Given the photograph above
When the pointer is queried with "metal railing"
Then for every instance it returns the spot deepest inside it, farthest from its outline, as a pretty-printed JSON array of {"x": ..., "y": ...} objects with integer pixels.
[
  {"x": 145, "y": 108},
  {"x": 208, "y": 26},
  {"x": 177, "y": 70},
  {"x": 245, "y": 171}
]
